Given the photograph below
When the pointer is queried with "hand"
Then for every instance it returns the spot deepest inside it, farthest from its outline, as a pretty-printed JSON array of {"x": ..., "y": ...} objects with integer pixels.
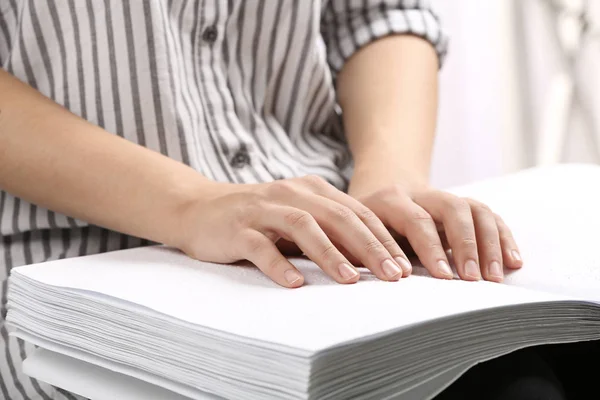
[
  {"x": 243, "y": 222},
  {"x": 433, "y": 221}
]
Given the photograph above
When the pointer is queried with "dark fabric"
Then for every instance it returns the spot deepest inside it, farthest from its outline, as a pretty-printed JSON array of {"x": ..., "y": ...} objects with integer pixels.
[{"x": 552, "y": 372}]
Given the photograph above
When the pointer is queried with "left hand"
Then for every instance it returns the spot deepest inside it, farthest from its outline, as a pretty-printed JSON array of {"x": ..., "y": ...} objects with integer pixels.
[{"x": 433, "y": 221}]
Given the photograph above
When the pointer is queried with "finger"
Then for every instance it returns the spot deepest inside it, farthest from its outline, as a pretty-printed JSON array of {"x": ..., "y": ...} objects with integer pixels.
[
  {"x": 373, "y": 223},
  {"x": 342, "y": 225},
  {"x": 262, "y": 252},
  {"x": 488, "y": 242},
  {"x": 510, "y": 250},
  {"x": 288, "y": 248},
  {"x": 455, "y": 215},
  {"x": 414, "y": 223},
  {"x": 407, "y": 248},
  {"x": 349, "y": 256},
  {"x": 302, "y": 228}
]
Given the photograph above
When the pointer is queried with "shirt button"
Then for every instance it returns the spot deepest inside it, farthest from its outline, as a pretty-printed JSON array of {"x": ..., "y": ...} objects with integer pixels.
[
  {"x": 240, "y": 159},
  {"x": 210, "y": 34}
]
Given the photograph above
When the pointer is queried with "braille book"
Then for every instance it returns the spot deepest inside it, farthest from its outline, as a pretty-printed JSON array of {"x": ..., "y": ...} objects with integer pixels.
[{"x": 203, "y": 330}]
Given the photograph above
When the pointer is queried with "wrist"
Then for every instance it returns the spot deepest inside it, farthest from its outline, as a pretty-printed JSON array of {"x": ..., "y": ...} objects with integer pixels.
[
  {"x": 370, "y": 177},
  {"x": 381, "y": 159},
  {"x": 198, "y": 203},
  {"x": 185, "y": 197}
]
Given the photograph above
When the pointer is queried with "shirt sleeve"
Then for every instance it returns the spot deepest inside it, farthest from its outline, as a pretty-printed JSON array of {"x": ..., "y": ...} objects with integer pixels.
[{"x": 347, "y": 25}]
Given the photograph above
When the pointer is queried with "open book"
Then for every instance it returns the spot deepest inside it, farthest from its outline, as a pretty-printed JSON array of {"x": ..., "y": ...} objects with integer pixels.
[{"x": 197, "y": 328}]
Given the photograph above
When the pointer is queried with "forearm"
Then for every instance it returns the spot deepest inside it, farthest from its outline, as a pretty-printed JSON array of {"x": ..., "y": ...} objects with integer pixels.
[
  {"x": 388, "y": 94},
  {"x": 57, "y": 160}
]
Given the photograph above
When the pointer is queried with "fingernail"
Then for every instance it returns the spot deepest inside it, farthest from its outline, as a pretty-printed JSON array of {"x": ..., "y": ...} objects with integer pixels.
[
  {"x": 347, "y": 272},
  {"x": 390, "y": 269},
  {"x": 516, "y": 256},
  {"x": 292, "y": 276},
  {"x": 404, "y": 264},
  {"x": 445, "y": 269},
  {"x": 496, "y": 270},
  {"x": 472, "y": 270}
]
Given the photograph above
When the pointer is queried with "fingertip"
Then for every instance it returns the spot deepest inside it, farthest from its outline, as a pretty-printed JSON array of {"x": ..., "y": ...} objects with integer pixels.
[
  {"x": 348, "y": 274},
  {"x": 391, "y": 271},
  {"x": 442, "y": 270},
  {"x": 471, "y": 271},
  {"x": 293, "y": 278},
  {"x": 494, "y": 272},
  {"x": 352, "y": 280},
  {"x": 405, "y": 265},
  {"x": 516, "y": 261},
  {"x": 297, "y": 284},
  {"x": 493, "y": 278}
]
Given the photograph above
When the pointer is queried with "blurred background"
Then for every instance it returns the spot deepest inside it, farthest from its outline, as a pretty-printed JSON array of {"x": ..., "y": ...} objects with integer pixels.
[{"x": 520, "y": 87}]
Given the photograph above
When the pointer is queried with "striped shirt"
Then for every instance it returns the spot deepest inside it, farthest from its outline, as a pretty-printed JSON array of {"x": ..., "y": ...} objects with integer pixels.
[{"x": 242, "y": 91}]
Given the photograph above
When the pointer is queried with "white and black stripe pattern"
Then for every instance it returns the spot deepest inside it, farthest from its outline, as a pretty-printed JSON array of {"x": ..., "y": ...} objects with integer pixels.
[{"x": 242, "y": 91}]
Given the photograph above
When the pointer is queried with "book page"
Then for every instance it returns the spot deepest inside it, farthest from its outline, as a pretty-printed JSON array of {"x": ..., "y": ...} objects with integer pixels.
[
  {"x": 90, "y": 380},
  {"x": 240, "y": 300},
  {"x": 554, "y": 213}
]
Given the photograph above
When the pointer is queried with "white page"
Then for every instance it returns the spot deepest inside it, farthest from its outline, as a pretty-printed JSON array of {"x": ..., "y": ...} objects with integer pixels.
[
  {"x": 242, "y": 301},
  {"x": 554, "y": 213},
  {"x": 92, "y": 381}
]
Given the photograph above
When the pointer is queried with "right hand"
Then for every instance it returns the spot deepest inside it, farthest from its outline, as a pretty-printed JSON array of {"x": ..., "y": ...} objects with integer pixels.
[{"x": 244, "y": 222}]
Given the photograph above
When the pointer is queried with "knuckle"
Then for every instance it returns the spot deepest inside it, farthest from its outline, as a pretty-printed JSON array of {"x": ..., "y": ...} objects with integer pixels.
[
  {"x": 329, "y": 252},
  {"x": 468, "y": 242},
  {"x": 481, "y": 207},
  {"x": 298, "y": 219},
  {"x": 341, "y": 213},
  {"x": 419, "y": 217},
  {"x": 242, "y": 218},
  {"x": 254, "y": 244},
  {"x": 373, "y": 246},
  {"x": 459, "y": 205},
  {"x": 394, "y": 193},
  {"x": 395, "y": 190},
  {"x": 491, "y": 245},
  {"x": 389, "y": 243},
  {"x": 282, "y": 188},
  {"x": 246, "y": 212},
  {"x": 366, "y": 215},
  {"x": 315, "y": 181},
  {"x": 273, "y": 264}
]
